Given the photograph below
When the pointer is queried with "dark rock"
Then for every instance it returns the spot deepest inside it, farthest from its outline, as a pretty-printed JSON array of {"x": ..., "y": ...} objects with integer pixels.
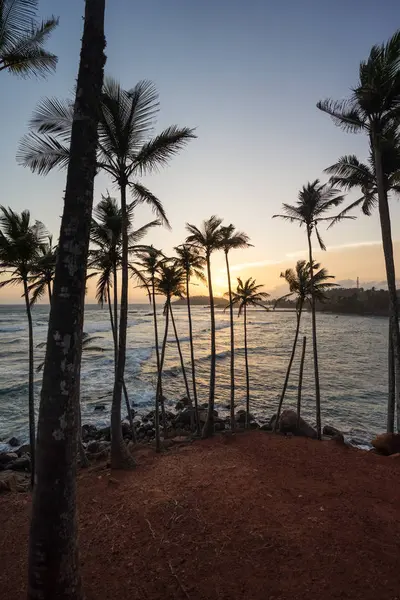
[
  {"x": 272, "y": 421},
  {"x": 219, "y": 425},
  {"x": 23, "y": 463},
  {"x": 7, "y": 457},
  {"x": 88, "y": 432},
  {"x": 14, "y": 442},
  {"x": 204, "y": 405},
  {"x": 95, "y": 447},
  {"x": 103, "y": 434},
  {"x": 241, "y": 416},
  {"x": 387, "y": 443},
  {"x": 253, "y": 425},
  {"x": 126, "y": 429},
  {"x": 288, "y": 424},
  {"x": 179, "y": 405},
  {"x": 333, "y": 433},
  {"x": 266, "y": 427},
  {"x": 25, "y": 449},
  {"x": 100, "y": 407}
]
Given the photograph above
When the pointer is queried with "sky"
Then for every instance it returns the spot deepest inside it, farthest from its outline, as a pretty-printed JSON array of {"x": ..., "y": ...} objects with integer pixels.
[{"x": 247, "y": 75}]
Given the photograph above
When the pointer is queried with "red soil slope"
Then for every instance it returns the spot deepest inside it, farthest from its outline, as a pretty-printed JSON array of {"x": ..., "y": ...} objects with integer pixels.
[{"x": 258, "y": 517}]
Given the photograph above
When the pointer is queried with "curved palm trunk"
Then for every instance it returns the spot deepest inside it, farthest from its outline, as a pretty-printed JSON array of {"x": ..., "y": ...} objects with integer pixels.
[
  {"x": 159, "y": 392},
  {"x": 178, "y": 344},
  {"x": 120, "y": 456},
  {"x": 246, "y": 360},
  {"x": 128, "y": 406},
  {"x": 31, "y": 395},
  {"x": 391, "y": 382},
  {"x": 386, "y": 230},
  {"x": 159, "y": 379},
  {"x": 53, "y": 550},
  {"x": 314, "y": 338},
  {"x": 303, "y": 354},
  {"x": 208, "y": 428},
  {"x": 285, "y": 384},
  {"x": 196, "y": 404},
  {"x": 232, "y": 403}
]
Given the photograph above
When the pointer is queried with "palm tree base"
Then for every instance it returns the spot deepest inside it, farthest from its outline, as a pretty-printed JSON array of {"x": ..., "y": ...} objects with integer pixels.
[
  {"x": 208, "y": 429},
  {"x": 121, "y": 458}
]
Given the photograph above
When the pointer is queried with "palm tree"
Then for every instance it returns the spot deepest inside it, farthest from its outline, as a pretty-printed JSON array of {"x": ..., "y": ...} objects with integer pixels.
[
  {"x": 43, "y": 271},
  {"x": 247, "y": 294},
  {"x": 192, "y": 263},
  {"x": 231, "y": 239},
  {"x": 303, "y": 287},
  {"x": 373, "y": 108},
  {"x": 126, "y": 151},
  {"x": 53, "y": 543},
  {"x": 22, "y": 39},
  {"x": 315, "y": 200},
  {"x": 208, "y": 239},
  {"x": 20, "y": 243}
]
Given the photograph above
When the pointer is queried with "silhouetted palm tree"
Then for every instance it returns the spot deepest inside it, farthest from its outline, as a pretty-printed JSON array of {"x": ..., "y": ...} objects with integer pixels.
[
  {"x": 373, "y": 108},
  {"x": 230, "y": 240},
  {"x": 247, "y": 294},
  {"x": 192, "y": 262},
  {"x": 315, "y": 200},
  {"x": 303, "y": 287},
  {"x": 126, "y": 151},
  {"x": 208, "y": 238},
  {"x": 20, "y": 243},
  {"x": 23, "y": 39},
  {"x": 42, "y": 272},
  {"x": 53, "y": 543}
]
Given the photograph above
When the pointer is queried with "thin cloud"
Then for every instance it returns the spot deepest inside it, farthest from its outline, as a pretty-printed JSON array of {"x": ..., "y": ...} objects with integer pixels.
[
  {"x": 300, "y": 253},
  {"x": 260, "y": 263}
]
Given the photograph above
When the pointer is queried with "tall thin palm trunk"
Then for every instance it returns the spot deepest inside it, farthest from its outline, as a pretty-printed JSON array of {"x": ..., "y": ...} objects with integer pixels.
[
  {"x": 314, "y": 338},
  {"x": 232, "y": 368},
  {"x": 196, "y": 404},
  {"x": 208, "y": 428},
  {"x": 115, "y": 305},
  {"x": 53, "y": 543},
  {"x": 31, "y": 394},
  {"x": 178, "y": 345},
  {"x": 128, "y": 406},
  {"x": 246, "y": 360},
  {"x": 159, "y": 378},
  {"x": 391, "y": 382},
  {"x": 303, "y": 354},
  {"x": 386, "y": 230},
  {"x": 120, "y": 456},
  {"x": 159, "y": 391},
  {"x": 289, "y": 368},
  {"x": 49, "y": 291}
]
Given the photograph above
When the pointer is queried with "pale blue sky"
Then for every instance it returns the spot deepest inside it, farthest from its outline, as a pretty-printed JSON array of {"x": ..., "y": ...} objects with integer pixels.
[{"x": 248, "y": 76}]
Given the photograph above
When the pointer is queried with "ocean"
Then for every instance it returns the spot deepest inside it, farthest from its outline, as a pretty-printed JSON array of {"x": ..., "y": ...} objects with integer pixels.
[{"x": 352, "y": 357}]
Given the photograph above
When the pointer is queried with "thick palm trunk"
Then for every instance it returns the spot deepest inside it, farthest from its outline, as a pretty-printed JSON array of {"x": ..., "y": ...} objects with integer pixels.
[
  {"x": 159, "y": 379},
  {"x": 128, "y": 406},
  {"x": 120, "y": 456},
  {"x": 303, "y": 354},
  {"x": 384, "y": 215},
  {"x": 208, "y": 428},
  {"x": 285, "y": 384},
  {"x": 246, "y": 361},
  {"x": 391, "y": 382},
  {"x": 232, "y": 369},
  {"x": 31, "y": 394},
  {"x": 178, "y": 345},
  {"x": 314, "y": 338},
  {"x": 196, "y": 404},
  {"x": 53, "y": 543}
]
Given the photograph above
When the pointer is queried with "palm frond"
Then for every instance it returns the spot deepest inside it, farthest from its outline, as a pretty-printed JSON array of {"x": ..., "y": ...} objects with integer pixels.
[
  {"x": 42, "y": 153},
  {"x": 344, "y": 114},
  {"x": 158, "y": 151},
  {"x": 144, "y": 196}
]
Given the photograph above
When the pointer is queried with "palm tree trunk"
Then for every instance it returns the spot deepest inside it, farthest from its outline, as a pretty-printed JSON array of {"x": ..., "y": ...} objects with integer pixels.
[
  {"x": 31, "y": 395},
  {"x": 208, "y": 428},
  {"x": 53, "y": 543},
  {"x": 120, "y": 456},
  {"x": 303, "y": 353},
  {"x": 159, "y": 379},
  {"x": 196, "y": 404},
  {"x": 178, "y": 345},
  {"x": 391, "y": 382},
  {"x": 285, "y": 384},
  {"x": 314, "y": 338},
  {"x": 384, "y": 215},
  {"x": 49, "y": 291},
  {"x": 246, "y": 361},
  {"x": 159, "y": 392},
  {"x": 115, "y": 300},
  {"x": 128, "y": 406},
  {"x": 232, "y": 403}
]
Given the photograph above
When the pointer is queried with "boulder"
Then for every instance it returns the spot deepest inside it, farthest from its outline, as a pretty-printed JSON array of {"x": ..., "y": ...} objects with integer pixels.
[
  {"x": 333, "y": 433},
  {"x": 179, "y": 405},
  {"x": 241, "y": 416},
  {"x": 95, "y": 447},
  {"x": 100, "y": 407},
  {"x": 7, "y": 457},
  {"x": 387, "y": 443},
  {"x": 23, "y": 463},
  {"x": 288, "y": 424},
  {"x": 88, "y": 432},
  {"x": 25, "y": 449},
  {"x": 103, "y": 434},
  {"x": 14, "y": 442}
]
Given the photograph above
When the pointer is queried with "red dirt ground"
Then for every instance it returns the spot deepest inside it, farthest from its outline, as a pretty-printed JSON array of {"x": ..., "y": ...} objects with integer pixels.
[{"x": 256, "y": 517}]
